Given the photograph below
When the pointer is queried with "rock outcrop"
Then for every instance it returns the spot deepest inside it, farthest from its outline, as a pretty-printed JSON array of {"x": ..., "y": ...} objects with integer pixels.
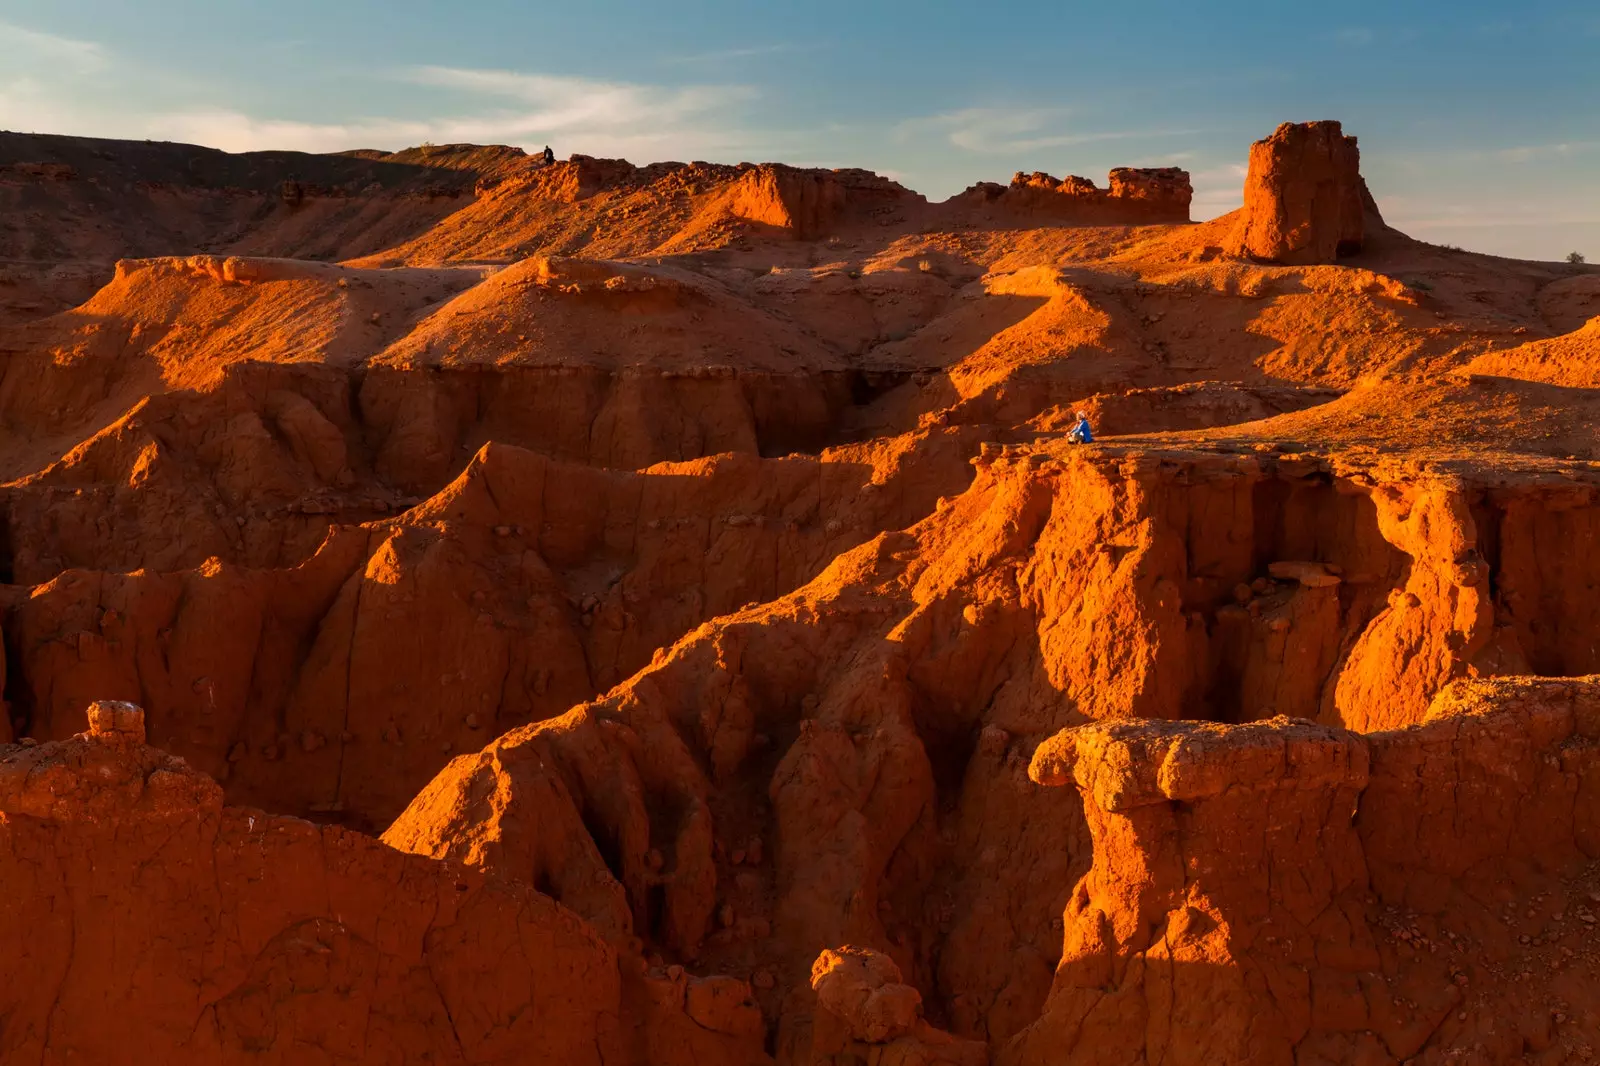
[
  {"x": 801, "y": 203},
  {"x": 1283, "y": 892},
  {"x": 142, "y": 914},
  {"x": 1134, "y": 196},
  {"x": 865, "y": 1012},
  {"x": 502, "y": 560},
  {"x": 1167, "y": 190},
  {"x": 805, "y": 202},
  {"x": 1304, "y": 200},
  {"x": 684, "y": 563}
]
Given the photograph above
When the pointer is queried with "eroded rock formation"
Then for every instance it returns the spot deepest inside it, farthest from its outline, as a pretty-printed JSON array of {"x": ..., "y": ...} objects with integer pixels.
[
  {"x": 1304, "y": 200},
  {"x": 866, "y": 1012},
  {"x": 681, "y": 567},
  {"x": 145, "y": 918},
  {"x": 1286, "y": 892},
  {"x": 1134, "y": 196}
]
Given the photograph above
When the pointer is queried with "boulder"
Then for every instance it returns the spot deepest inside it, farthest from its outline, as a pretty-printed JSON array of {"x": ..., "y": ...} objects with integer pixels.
[
  {"x": 866, "y": 1013},
  {"x": 865, "y": 990},
  {"x": 116, "y": 720}
]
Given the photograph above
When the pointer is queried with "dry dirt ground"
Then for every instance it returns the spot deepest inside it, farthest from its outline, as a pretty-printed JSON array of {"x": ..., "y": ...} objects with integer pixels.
[{"x": 464, "y": 611}]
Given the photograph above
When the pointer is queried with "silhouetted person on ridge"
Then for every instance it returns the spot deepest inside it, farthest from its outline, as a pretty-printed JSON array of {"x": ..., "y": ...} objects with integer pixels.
[
  {"x": 1082, "y": 432},
  {"x": 549, "y": 156}
]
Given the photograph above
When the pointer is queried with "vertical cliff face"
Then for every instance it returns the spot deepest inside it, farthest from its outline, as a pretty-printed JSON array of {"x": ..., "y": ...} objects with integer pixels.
[
  {"x": 1285, "y": 892},
  {"x": 1226, "y": 866},
  {"x": 1239, "y": 587},
  {"x": 804, "y": 202},
  {"x": 1304, "y": 200}
]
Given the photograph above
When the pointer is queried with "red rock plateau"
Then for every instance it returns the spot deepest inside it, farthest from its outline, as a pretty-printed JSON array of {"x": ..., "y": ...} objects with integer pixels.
[{"x": 459, "y": 610}]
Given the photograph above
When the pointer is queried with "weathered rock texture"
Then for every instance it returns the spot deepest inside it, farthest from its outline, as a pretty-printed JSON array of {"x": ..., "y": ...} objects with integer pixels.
[
  {"x": 1284, "y": 892},
  {"x": 546, "y": 582},
  {"x": 1304, "y": 200},
  {"x": 148, "y": 922},
  {"x": 679, "y": 565},
  {"x": 866, "y": 1012},
  {"x": 1134, "y": 196}
]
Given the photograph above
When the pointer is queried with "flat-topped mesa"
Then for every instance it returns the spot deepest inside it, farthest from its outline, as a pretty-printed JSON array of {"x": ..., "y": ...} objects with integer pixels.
[
  {"x": 805, "y": 201},
  {"x": 1304, "y": 200},
  {"x": 1135, "y": 196},
  {"x": 1168, "y": 186}
]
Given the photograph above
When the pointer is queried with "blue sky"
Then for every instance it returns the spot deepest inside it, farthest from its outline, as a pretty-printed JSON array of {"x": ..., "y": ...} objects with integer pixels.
[{"x": 1477, "y": 121}]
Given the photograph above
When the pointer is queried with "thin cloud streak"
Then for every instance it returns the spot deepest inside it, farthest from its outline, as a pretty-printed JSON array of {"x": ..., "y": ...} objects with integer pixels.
[
  {"x": 737, "y": 53},
  {"x": 80, "y": 56},
  {"x": 501, "y": 106},
  {"x": 1008, "y": 131},
  {"x": 1528, "y": 153}
]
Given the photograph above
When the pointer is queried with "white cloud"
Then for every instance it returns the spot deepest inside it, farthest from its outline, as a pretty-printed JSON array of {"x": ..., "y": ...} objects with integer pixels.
[
  {"x": 28, "y": 106},
  {"x": 38, "y": 67},
  {"x": 736, "y": 53},
  {"x": 1008, "y": 131},
  {"x": 552, "y": 104},
  {"x": 1528, "y": 153},
  {"x": 234, "y": 131},
  {"x": 618, "y": 134},
  {"x": 22, "y": 44},
  {"x": 490, "y": 106},
  {"x": 1217, "y": 189},
  {"x": 596, "y": 117}
]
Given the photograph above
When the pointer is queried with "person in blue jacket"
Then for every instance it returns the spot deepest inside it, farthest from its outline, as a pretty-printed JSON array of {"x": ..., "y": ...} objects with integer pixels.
[{"x": 1082, "y": 432}]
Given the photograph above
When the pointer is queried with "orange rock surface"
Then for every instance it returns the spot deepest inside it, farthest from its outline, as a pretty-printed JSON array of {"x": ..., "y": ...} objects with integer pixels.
[
  {"x": 457, "y": 609},
  {"x": 1304, "y": 200}
]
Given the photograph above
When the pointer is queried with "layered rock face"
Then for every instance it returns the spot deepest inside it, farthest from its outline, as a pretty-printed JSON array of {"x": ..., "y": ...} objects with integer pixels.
[
  {"x": 1134, "y": 196},
  {"x": 803, "y": 202},
  {"x": 1283, "y": 892},
  {"x": 148, "y": 922},
  {"x": 681, "y": 567},
  {"x": 502, "y": 559},
  {"x": 1304, "y": 200}
]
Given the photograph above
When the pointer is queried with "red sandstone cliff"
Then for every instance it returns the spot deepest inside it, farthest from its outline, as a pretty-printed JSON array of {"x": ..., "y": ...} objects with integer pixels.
[
  {"x": 1134, "y": 196},
  {"x": 1283, "y": 892},
  {"x": 1304, "y": 200},
  {"x": 685, "y": 559},
  {"x": 147, "y": 921}
]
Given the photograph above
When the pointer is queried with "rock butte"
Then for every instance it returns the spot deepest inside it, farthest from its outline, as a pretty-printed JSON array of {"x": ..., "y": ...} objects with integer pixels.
[{"x": 459, "y": 610}]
